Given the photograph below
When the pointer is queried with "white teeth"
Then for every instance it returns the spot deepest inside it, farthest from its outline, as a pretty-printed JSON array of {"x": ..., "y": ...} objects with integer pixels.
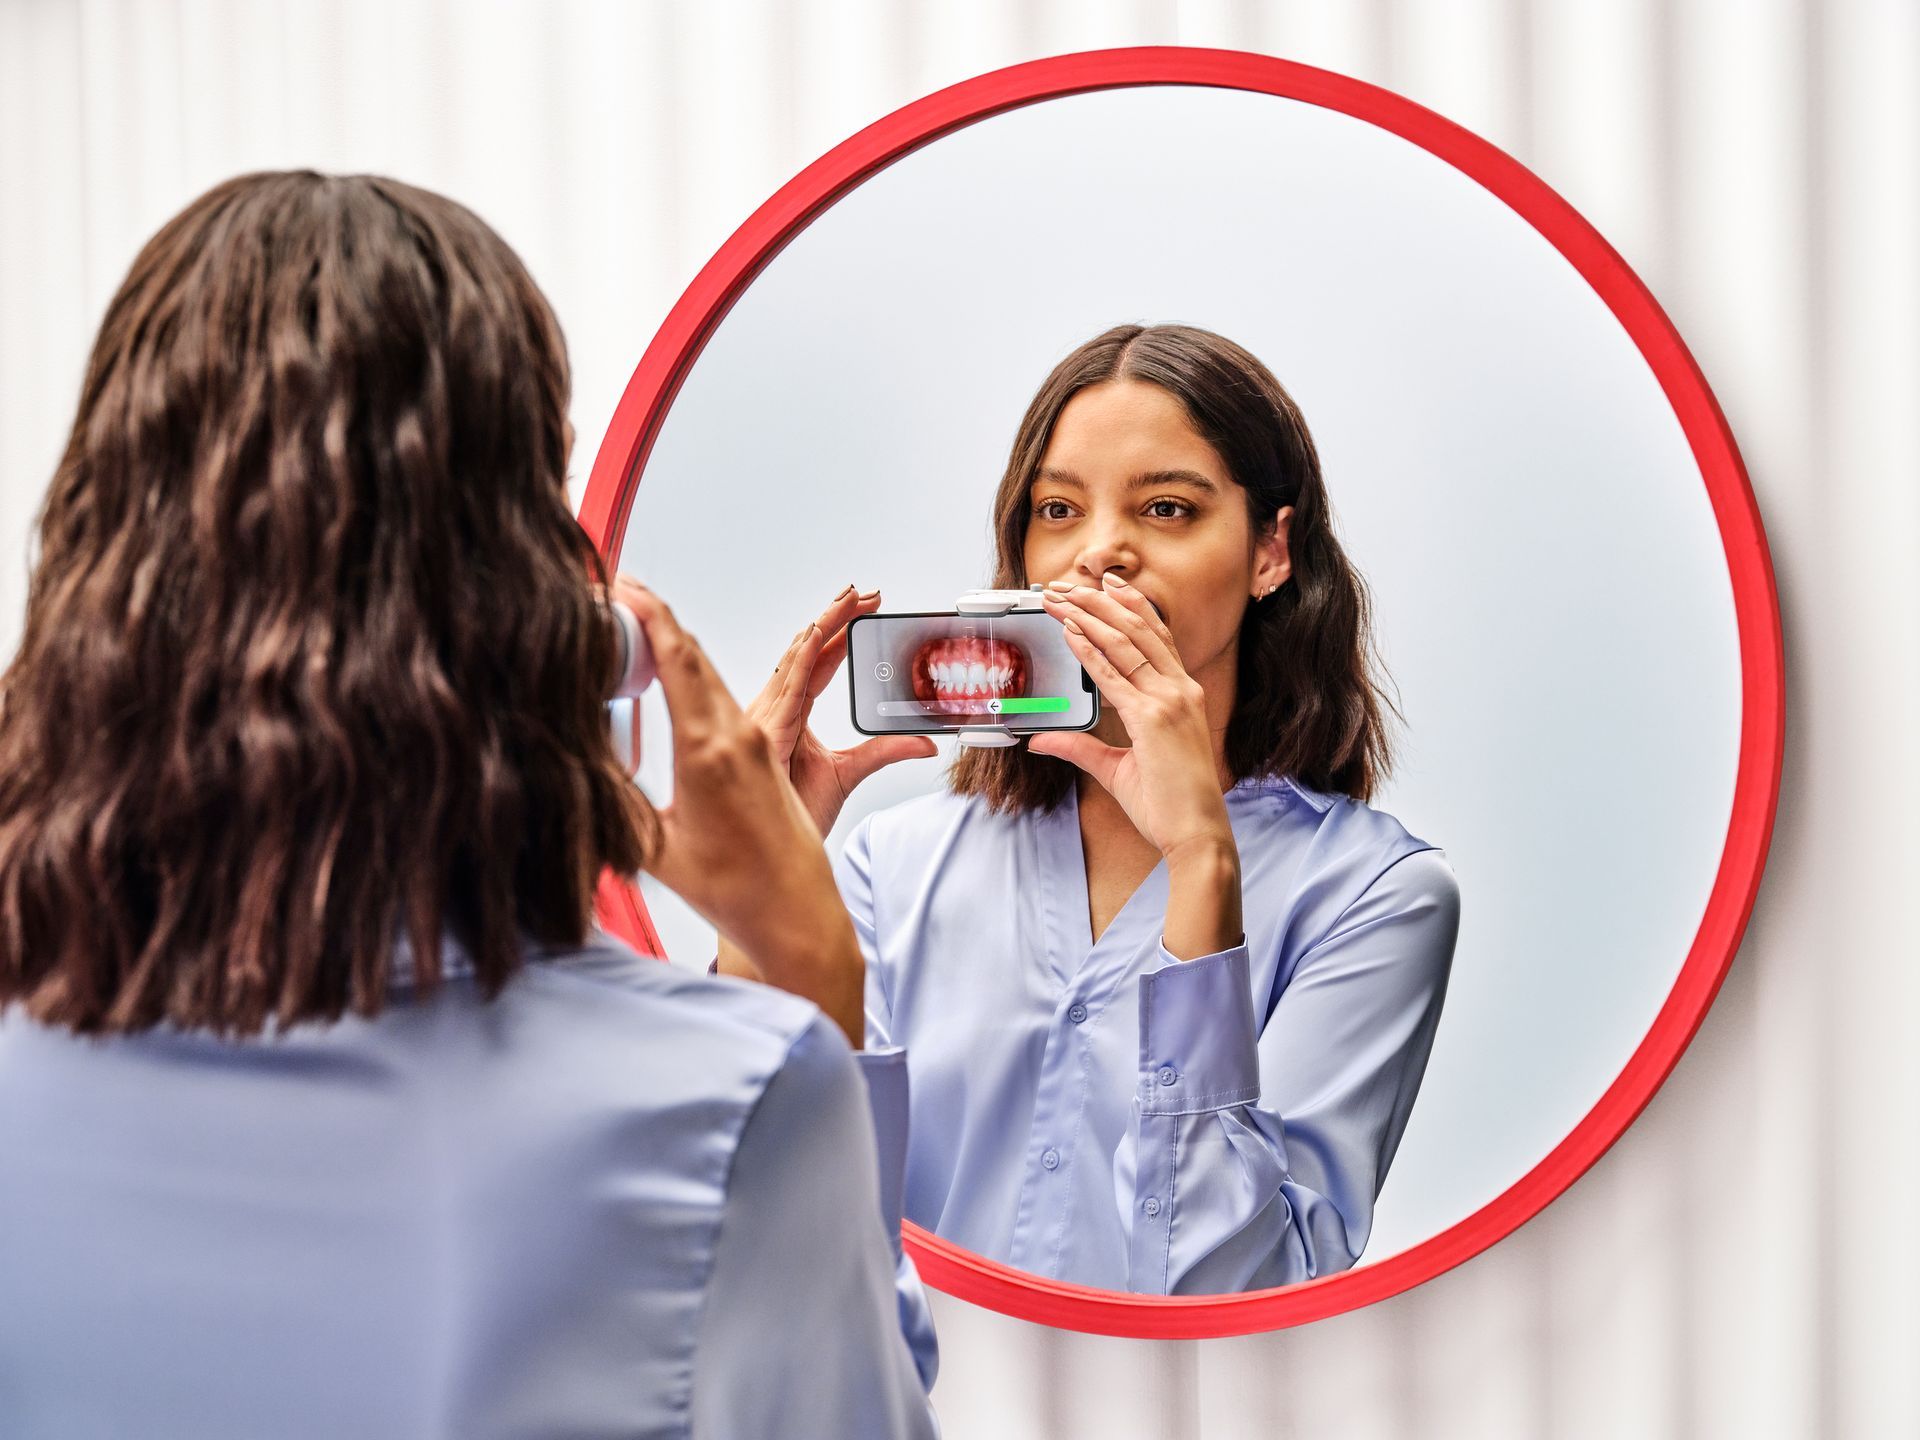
[{"x": 970, "y": 677}]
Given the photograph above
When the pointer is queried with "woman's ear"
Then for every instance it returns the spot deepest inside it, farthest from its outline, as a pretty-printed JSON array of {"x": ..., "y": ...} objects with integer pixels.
[{"x": 1272, "y": 563}]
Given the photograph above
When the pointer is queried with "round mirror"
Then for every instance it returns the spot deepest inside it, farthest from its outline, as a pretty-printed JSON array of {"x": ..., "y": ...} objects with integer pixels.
[{"x": 1572, "y": 608}]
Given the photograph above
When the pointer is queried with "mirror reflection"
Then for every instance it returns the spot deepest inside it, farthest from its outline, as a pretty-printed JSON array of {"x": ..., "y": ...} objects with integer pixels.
[{"x": 1405, "y": 614}]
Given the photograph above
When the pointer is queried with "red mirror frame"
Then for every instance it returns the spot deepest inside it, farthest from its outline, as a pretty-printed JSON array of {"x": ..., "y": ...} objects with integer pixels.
[{"x": 643, "y": 407}]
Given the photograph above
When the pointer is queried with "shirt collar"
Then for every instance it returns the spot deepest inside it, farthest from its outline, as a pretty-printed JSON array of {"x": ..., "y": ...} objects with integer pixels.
[{"x": 1318, "y": 800}]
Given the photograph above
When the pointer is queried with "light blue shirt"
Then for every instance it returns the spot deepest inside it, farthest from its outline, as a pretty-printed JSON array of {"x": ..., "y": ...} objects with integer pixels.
[
  {"x": 1107, "y": 1114},
  {"x": 617, "y": 1200}
]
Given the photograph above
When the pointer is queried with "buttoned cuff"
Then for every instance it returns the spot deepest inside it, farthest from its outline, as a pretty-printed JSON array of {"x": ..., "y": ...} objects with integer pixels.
[
  {"x": 885, "y": 1071},
  {"x": 1197, "y": 1039}
]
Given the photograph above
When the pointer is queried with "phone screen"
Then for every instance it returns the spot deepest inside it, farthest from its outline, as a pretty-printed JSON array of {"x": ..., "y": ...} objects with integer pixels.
[{"x": 932, "y": 672}]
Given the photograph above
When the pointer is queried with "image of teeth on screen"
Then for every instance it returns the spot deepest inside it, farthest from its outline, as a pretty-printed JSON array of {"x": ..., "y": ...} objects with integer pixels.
[{"x": 929, "y": 672}]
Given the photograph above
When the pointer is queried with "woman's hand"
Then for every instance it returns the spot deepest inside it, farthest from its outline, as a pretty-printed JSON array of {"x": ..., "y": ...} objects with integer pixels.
[
  {"x": 737, "y": 844},
  {"x": 1168, "y": 782},
  {"x": 824, "y": 778}
]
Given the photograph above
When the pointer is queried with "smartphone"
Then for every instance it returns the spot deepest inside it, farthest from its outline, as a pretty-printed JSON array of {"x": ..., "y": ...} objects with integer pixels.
[{"x": 942, "y": 672}]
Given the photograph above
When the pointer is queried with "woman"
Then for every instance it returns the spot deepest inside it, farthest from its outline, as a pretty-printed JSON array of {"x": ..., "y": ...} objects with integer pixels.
[
  {"x": 326, "y": 1112},
  {"x": 1168, "y": 988}
]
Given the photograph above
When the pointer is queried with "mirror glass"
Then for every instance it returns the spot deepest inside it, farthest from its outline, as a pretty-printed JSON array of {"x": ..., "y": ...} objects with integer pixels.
[{"x": 1551, "y": 598}]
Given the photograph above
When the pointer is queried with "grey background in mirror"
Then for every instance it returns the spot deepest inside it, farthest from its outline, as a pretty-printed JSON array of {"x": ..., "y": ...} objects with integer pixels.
[{"x": 1552, "y": 600}]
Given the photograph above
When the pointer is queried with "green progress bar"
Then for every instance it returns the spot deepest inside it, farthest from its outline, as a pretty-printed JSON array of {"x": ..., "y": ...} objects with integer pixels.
[{"x": 1033, "y": 703}]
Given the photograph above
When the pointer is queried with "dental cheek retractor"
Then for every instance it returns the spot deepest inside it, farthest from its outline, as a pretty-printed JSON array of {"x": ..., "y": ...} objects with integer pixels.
[
  {"x": 994, "y": 602},
  {"x": 637, "y": 672},
  {"x": 636, "y": 655}
]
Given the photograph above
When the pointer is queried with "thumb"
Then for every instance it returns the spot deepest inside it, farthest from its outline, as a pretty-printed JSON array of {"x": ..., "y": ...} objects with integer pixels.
[
  {"x": 1096, "y": 757},
  {"x": 863, "y": 759}
]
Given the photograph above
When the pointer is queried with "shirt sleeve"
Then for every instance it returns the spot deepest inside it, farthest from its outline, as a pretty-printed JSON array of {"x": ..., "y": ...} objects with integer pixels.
[
  {"x": 885, "y": 1073},
  {"x": 806, "y": 1329},
  {"x": 853, "y": 873},
  {"x": 886, "y": 1068},
  {"x": 1254, "y": 1155}
]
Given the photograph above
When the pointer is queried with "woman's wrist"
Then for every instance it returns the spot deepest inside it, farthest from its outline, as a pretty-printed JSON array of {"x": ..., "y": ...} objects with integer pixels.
[
  {"x": 1203, "y": 897},
  {"x": 736, "y": 962},
  {"x": 820, "y": 962}
]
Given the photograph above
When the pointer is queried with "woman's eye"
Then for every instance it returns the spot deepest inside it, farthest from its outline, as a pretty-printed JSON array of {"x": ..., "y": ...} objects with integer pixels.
[{"x": 1044, "y": 509}]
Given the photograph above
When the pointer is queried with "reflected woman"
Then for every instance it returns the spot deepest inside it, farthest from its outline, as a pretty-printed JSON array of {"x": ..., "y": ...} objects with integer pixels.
[{"x": 1167, "y": 988}]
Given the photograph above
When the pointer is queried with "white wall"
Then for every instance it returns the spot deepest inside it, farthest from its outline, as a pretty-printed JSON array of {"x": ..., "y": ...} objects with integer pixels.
[{"x": 1742, "y": 1263}]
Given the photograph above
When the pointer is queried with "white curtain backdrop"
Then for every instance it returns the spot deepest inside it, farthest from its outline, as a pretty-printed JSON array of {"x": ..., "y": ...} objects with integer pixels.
[{"x": 1744, "y": 1262}]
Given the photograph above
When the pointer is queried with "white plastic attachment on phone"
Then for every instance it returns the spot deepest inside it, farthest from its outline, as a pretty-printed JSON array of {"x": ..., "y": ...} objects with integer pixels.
[
  {"x": 998, "y": 602},
  {"x": 636, "y": 655},
  {"x": 993, "y": 602},
  {"x": 986, "y": 738}
]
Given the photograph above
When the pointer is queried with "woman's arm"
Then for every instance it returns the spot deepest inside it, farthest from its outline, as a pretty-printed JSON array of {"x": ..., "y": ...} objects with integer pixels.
[
  {"x": 1203, "y": 899},
  {"x": 822, "y": 778},
  {"x": 1255, "y": 1152},
  {"x": 815, "y": 1323}
]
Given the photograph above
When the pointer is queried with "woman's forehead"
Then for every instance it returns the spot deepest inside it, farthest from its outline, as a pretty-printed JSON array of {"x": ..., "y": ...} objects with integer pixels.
[{"x": 1111, "y": 433}]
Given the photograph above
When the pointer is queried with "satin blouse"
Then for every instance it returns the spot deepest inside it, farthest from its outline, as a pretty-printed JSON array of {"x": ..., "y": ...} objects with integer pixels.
[
  {"x": 618, "y": 1199},
  {"x": 1104, "y": 1113}
]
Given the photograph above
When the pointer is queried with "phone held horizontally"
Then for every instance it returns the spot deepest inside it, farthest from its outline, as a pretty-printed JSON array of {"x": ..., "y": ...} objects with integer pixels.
[{"x": 992, "y": 670}]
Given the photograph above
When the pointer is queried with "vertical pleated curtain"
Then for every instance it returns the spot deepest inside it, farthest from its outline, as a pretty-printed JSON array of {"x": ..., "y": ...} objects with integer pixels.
[{"x": 1744, "y": 1262}]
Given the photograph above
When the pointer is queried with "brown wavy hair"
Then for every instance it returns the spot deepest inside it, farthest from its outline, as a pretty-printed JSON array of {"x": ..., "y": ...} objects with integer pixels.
[
  {"x": 1306, "y": 702},
  {"x": 312, "y": 656}
]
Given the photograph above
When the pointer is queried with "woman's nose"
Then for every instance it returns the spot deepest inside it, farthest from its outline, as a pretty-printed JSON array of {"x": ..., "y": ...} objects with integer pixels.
[{"x": 1107, "y": 551}]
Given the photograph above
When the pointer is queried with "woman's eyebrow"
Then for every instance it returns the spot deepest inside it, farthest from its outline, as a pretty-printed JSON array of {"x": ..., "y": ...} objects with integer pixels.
[{"x": 1143, "y": 481}]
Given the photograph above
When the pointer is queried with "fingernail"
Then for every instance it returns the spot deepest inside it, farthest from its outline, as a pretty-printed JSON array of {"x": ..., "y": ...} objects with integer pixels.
[
  {"x": 1113, "y": 578},
  {"x": 1059, "y": 585},
  {"x": 869, "y": 594},
  {"x": 844, "y": 593}
]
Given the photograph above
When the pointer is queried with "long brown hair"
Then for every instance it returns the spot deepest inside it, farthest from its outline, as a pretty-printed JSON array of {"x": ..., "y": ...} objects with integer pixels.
[
  {"x": 312, "y": 653},
  {"x": 1306, "y": 704}
]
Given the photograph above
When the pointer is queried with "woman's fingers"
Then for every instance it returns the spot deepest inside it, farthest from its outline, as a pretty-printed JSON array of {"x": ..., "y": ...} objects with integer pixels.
[
  {"x": 836, "y": 627},
  {"x": 697, "y": 700},
  {"x": 860, "y": 761},
  {"x": 1116, "y": 660},
  {"x": 1130, "y": 612},
  {"x": 1096, "y": 757},
  {"x": 827, "y": 663},
  {"x": 1114, "y": 687},
  {"x": 808, "y": 665}
]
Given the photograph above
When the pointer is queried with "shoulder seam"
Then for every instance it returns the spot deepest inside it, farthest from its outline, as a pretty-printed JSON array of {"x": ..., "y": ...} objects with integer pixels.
[{"x": 1367, "y": 889}]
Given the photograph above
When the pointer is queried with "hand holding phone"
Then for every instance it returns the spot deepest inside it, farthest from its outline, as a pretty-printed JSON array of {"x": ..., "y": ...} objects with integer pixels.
[
  {"x": 970, "y": 672},
  {"x": 737, "y": 844},
  {"x": 822, "y": 777}
]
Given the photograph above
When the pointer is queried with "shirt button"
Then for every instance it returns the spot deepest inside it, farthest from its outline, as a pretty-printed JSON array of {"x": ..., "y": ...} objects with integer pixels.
[
  {"x": 1077, "y": 1014},
  {"x": 1152, "y": 1207},
  {"x": 1050, "y": 1159},
  {"x": 1167, "y": 1075}
]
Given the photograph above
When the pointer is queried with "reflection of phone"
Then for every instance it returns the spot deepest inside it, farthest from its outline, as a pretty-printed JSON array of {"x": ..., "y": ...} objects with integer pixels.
[{"x": 988, "y": 678}]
